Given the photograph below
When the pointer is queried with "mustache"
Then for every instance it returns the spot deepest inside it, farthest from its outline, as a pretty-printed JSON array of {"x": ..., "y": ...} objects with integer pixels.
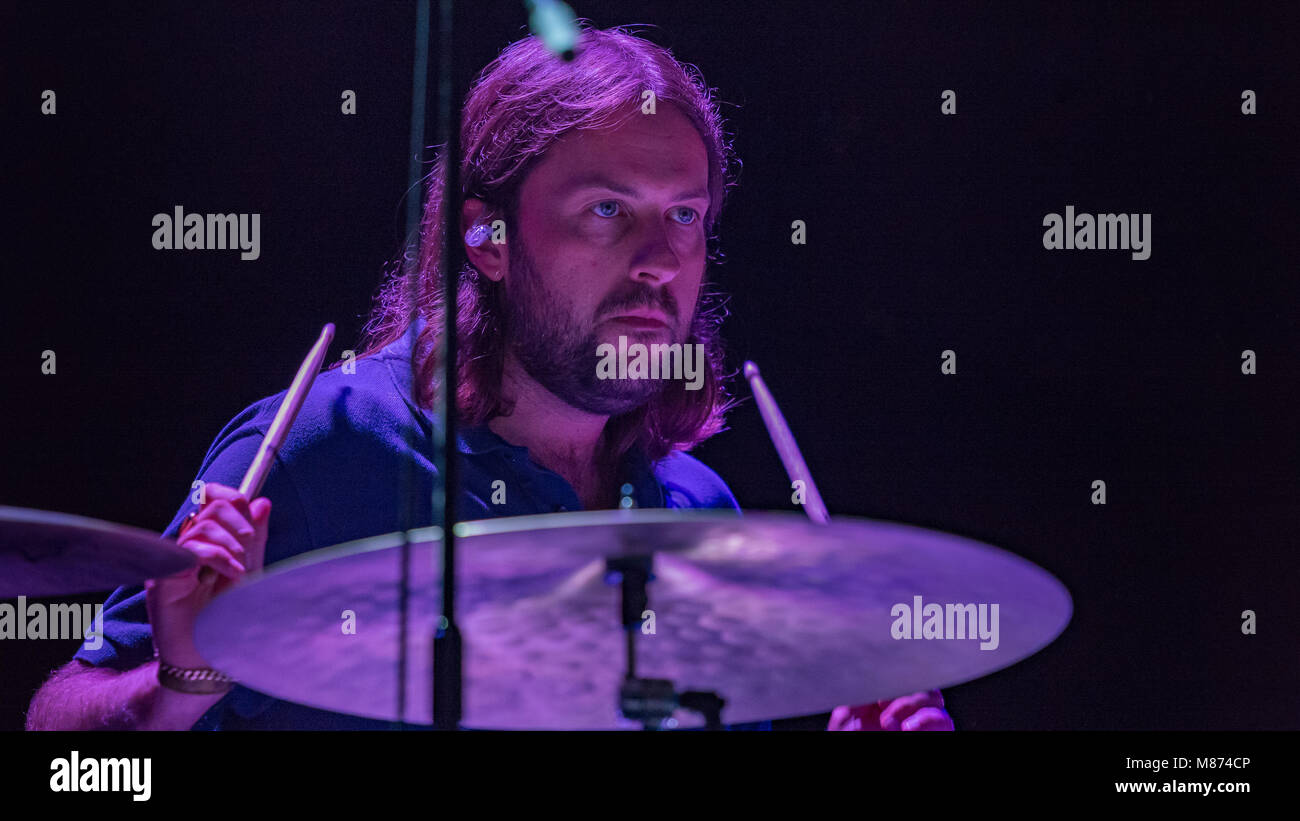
[{"x": 644, "y": 297}]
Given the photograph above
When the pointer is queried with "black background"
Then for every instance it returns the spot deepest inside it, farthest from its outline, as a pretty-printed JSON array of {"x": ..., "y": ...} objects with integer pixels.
[{"x": 924, "y": 234}]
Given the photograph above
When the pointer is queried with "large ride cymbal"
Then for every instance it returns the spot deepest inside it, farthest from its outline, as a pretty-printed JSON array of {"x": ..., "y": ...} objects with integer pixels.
[
  {"x": 779, "y": 616},
  {"x": 52, "y": 554}
]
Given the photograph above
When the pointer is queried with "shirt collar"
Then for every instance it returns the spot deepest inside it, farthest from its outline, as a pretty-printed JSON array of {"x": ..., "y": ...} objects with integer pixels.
[{"x": 478, "y": 440}]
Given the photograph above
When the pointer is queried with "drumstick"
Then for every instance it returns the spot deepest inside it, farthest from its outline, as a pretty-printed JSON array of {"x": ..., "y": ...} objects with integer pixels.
[
  {"x": 257, "y": 472},
  {"x": 786, "y": 448},
  {"x": 260, "y": 468}
]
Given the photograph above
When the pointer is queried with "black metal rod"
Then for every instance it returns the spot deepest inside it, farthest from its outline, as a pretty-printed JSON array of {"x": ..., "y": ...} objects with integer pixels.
[
  {"x": 447, "y": 662},
  {"x": 407, "y": 510}
]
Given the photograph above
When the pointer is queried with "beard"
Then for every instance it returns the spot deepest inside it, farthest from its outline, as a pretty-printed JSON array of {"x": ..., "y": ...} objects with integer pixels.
[{"x": 559, "y": 353}]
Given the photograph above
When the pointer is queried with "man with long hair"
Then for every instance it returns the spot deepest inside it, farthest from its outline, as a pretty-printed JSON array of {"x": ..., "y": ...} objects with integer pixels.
[{"x": 591, "y": 193}]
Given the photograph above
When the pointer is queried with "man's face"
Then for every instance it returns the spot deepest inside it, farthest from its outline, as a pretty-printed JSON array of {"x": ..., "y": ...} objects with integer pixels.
[{"x": 609, "y": 241}]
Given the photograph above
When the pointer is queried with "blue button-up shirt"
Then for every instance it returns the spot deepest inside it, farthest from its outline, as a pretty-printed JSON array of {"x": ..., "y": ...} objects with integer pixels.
[{"x": 359, "y": 444}]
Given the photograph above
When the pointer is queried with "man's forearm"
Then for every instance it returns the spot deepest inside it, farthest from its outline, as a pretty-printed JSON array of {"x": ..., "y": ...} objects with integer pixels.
[{"x": 81, "y": 697}]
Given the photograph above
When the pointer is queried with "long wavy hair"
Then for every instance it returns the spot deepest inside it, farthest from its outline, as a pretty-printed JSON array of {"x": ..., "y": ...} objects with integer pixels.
[{"x": 520, "y": 104}]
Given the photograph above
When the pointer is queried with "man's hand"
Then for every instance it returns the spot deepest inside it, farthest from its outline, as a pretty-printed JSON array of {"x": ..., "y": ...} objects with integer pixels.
[
  {"x": 229, "y": 536},
  {"x": 919, "y": 711}
]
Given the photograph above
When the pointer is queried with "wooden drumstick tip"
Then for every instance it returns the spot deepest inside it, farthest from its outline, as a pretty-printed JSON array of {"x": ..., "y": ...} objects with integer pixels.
[{"x": 750, "y": 369}]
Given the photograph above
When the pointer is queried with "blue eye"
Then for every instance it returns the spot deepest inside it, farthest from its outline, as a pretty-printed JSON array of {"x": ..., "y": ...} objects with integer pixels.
[
  {"x": 599, "y": 208},
  {"x": 690, "y": 212}
]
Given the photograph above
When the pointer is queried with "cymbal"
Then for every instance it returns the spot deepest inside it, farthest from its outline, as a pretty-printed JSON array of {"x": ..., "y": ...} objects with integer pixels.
[
  {"x": 49, "y": 554},
  {"x": 779, "y": 616}
]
